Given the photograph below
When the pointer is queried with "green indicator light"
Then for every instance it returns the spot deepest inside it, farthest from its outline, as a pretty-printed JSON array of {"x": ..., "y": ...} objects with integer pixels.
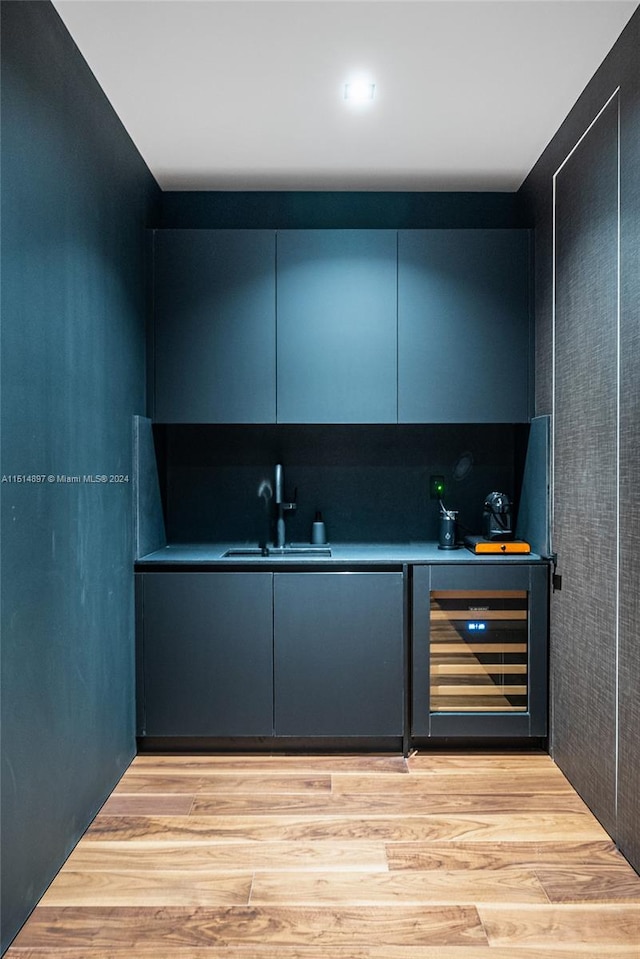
[{"x": 436, "y": 486}]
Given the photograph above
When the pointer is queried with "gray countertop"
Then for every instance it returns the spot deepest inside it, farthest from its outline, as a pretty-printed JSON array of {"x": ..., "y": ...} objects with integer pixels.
[{"x": 351, "y": 554}]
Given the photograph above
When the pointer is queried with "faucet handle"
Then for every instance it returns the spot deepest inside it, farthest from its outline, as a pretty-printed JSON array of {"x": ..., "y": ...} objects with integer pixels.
[{"x": 293, "y": 505}]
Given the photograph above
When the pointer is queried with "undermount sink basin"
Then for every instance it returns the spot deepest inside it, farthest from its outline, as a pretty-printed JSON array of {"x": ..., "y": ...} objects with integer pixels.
[
  {"x": 297, "y": 550},
  {"x": 300, "y": 549},
  {"x": 245, "y": 551}
]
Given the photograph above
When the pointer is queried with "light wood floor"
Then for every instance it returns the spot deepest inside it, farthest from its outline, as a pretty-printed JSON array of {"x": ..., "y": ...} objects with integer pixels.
[{"x": 442, "y": 856}]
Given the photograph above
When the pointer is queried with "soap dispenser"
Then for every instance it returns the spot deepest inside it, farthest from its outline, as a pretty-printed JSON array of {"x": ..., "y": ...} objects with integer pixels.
[{"x": 318, "y": 530}]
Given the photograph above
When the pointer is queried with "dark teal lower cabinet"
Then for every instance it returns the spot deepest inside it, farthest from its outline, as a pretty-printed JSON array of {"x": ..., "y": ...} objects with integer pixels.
[
  {"x": 206, "y": 657},
  {"x": 480, "y": 651},
  {"x": 253, "y": 655},
  {"x": 339, "y": 654}
]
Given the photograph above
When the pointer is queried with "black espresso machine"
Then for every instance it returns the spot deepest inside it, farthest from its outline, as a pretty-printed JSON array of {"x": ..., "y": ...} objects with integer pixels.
[{"x": 496, "y": 517}]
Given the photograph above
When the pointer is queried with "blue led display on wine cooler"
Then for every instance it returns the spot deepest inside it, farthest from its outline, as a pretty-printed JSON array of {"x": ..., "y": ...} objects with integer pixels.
[{"x": 476, "y": 626}]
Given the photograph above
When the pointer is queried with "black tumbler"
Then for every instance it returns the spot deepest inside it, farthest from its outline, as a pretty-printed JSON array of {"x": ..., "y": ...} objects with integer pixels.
[{"x": 447, "y": 530}]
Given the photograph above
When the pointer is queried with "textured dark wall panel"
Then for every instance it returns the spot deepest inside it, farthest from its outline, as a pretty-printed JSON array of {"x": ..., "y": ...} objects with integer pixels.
[
  {"x": 535, "y": 197},
  {"x": 629, "y": 691},
  {"x": 585, "y": 545},
  {"x": 584, "y": 612},
  {"x": 75, "y": 201}
]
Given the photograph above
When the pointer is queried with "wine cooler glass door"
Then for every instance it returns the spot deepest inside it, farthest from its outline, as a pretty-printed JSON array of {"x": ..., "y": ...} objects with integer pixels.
[{"x": 479, "y": 651}]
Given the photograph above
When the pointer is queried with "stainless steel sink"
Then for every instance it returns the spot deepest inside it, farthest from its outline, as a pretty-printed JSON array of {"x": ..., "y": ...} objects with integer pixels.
[
  {"x": 299, "y": 550},
  {"x": 296, "y": 550},
  {"x": 245, "y": 551}
]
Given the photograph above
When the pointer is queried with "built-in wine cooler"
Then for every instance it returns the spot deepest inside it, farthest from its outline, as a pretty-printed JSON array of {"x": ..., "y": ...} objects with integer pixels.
[{"x": 479, "y": 650}]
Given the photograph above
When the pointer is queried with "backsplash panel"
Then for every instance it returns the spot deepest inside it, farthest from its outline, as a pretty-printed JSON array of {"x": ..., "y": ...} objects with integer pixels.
[{"x": 371, "y": 483}]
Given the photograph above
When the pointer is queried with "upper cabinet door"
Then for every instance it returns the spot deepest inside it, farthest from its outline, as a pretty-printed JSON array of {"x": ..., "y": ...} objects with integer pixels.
[
  {"x": 215, "y": 326},
  {"x": 337, "y": 326},
  {"x": 463, "y": 326}
]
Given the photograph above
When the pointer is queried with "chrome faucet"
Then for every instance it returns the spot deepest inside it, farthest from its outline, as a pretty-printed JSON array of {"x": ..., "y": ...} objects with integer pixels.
[{"x": 281, "y": 506}]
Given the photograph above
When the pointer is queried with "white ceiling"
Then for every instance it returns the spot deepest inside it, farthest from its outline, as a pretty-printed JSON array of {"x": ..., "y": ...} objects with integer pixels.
[{"x": 248, "y": 94}]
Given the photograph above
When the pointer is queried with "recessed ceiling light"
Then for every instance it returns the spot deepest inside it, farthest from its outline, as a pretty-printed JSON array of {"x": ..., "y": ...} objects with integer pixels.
[{"x": 359, "y": 91}]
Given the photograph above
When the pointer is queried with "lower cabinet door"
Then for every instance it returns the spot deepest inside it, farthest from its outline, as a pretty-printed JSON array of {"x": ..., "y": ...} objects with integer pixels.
[
  {"x": 479, "y": 650},
  {"x": 338, "y": 650},
  {"x": 207, "y": 654}
]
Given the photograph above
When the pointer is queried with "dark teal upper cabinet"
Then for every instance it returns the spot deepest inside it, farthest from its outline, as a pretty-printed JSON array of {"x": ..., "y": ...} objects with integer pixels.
[
  {"x": 463, "y": 326},
  {"x": 337, "y": 326},
  {"x": 215, "y": 326},
  {"x": 342, "y": 326}
]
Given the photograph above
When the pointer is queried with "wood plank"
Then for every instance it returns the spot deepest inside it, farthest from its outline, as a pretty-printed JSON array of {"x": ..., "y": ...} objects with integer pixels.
[
  {"x": 462, "y": 615},
  {"x": 229, "y": 857},
  {"x": 344, "y": 765},
  {"x": 173, "y": 928},
  {"x": 141, "y": 887},
  {"x": 479, "y": 855},
  {"x": 478, "y": 690},
  {"x": 293, "y": 784},
  {"x": 463, "y": 648},
  {"x": 475, "y": 668},
  {"x": 577, "y": 827},
  {"x": 463, "y": 706},
  {"x": 148, "y": 805},
  {"x": 464, "y": 761},
  {"x": 285, "y": 764},
  {"x": 423, "y": 782},
  {"x": 354, "y": 951},
  {"x": 590, "y": 883},
  {"x": 554, "y": 926},
  {"x": 385, "y": 804},
  {"x": 409, "y": 888}
]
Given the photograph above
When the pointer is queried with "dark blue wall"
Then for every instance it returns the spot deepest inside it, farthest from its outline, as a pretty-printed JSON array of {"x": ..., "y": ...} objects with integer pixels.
[
  {"x": 340, "y": 210},
  {"x": 76, "y": 197}
]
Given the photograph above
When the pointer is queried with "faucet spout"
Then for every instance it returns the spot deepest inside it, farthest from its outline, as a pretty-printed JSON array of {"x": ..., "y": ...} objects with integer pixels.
[{"x": 279, "y": 485}]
